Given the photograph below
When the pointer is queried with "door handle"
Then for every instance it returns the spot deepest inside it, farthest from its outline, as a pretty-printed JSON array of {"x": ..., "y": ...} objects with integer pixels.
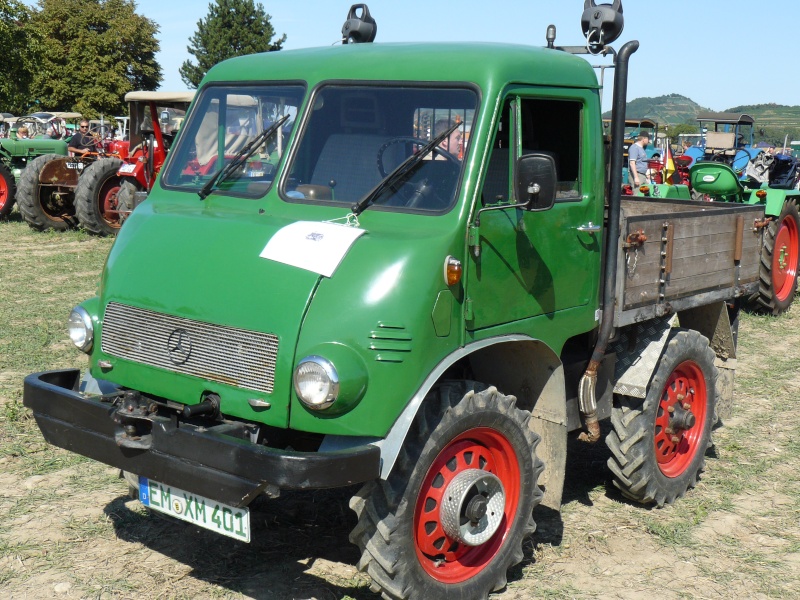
[{"x": 589, "y": 228}]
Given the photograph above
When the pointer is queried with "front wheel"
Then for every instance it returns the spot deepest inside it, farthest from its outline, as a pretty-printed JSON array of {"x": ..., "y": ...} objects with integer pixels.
[
  {"x": 44, "y": 207},
  {"x": 658, "y": 444},
  {"x": 451, "y": 518},
  {"x": 96, "y": 197},
  {"x": 8, "y": 191},
  {"x": 780, "y": 254}
]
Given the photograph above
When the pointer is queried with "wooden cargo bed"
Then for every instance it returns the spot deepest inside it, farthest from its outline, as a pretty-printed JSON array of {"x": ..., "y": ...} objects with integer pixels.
[{"x": 676, "y": 254}]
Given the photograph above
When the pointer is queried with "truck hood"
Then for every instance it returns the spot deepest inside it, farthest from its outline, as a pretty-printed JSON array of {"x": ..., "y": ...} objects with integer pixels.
[{"x": 191, "y": 269}]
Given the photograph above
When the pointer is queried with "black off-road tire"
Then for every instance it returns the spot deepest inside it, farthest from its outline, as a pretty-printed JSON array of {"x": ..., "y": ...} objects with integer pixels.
[
  {"x": 126, "y": 196},
  {"x": 8, "y": 191},
  {"x": 648, "y": 466},
  {"x": 96, "y": 197},
  {"x": 780, "y": 254},
  {"x": 30, "y": 198},
  {"x": 452, "y": 419}
]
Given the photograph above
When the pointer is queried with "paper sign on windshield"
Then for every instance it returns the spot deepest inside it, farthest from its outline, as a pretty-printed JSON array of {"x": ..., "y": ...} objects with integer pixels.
[{"x": 313, "y": 246}]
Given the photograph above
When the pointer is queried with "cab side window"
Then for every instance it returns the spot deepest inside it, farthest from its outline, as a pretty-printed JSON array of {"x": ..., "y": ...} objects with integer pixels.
[
  {"x": 554, "y": 127},
  {"x": 546, "y": 126}
]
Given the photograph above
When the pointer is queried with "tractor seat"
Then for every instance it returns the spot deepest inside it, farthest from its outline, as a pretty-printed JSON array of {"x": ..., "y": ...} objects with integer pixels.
[{"x": 714, "y": 179}]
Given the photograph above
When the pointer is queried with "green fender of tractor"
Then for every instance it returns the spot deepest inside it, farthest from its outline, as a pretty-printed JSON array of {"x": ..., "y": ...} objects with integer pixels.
[
  {"x": 717, "y": 180},
  {"x": 774, "y": 200}
]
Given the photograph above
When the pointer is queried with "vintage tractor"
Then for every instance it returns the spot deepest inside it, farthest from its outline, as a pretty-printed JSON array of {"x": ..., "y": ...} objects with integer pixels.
[
  {"x": 110, "y": 188},
  {"x": 46, "y": 190},
  {"x": 15, "y": 156},
  {"x": 780, "y": 250}
]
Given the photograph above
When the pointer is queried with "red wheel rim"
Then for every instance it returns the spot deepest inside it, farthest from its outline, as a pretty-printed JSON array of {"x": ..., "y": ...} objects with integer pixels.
[
  {"x": 685, "y": 392},
  {"x": 784, "y": 259},
  {"x": 3, "y": 193},
  {"x": 442, "y": 557},
  {"x": 109, "y": 203}
]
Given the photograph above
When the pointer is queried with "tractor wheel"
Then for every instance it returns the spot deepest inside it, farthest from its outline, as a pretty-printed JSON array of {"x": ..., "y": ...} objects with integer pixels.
[
  {"x": 779, "y": 261},
  {"x": 39, "y": 208},
  {"x": 8, "y": 191},
  {"x": 450, "y": 519},
  {"x": 658, "y": 444},
  {"x": 96, "y": 197},
  {"x": 126, "y": 202}
]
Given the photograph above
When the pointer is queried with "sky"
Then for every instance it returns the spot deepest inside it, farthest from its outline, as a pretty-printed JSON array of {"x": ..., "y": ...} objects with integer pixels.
[{"x": 719, "y": 53}]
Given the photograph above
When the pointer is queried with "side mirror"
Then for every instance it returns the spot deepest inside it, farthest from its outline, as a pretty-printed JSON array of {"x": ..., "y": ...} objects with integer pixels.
[
  {"x": 536, "y": 181},
  {"x": 164, "y": 117}
]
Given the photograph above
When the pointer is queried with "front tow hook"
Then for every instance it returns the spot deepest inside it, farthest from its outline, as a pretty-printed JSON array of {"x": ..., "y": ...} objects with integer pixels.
[{"x": 134, "y": 421}]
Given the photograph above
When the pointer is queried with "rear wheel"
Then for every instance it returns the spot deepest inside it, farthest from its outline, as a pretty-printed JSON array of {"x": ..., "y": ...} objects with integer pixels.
[
  {"x": 8, "y": 191},
  {"x": 42, "y": 206},
  {"x": 451, "y": 518},
  {"x": 658, "y": 444},
  {"x": 780, "y": 255},
  {"x": 97, "y": 197}
]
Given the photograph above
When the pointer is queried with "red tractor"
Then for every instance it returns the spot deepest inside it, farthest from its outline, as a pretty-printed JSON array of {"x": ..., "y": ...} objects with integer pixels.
[{"x": 110, "y": 189}]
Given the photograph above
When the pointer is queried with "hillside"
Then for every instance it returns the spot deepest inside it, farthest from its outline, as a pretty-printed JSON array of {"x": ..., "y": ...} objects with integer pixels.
[
  {"x": 772, "y": 116},
  {"x": 773, "y": 121},
  {"x": 672, "y": 109}
]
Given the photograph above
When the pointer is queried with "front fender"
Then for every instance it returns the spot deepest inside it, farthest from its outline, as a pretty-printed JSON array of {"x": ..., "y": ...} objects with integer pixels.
[{"x": 517, "y": 365}]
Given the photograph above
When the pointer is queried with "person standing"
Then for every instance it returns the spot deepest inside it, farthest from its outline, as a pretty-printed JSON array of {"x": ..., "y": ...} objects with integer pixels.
[{"x": 637, "y": 161}]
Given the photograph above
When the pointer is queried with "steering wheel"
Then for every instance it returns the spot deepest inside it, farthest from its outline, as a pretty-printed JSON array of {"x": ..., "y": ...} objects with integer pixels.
[
  {"x": 418, "y": 194},
  {"x": 411, "y": 140},
  {"x": 723, "y": 156}
]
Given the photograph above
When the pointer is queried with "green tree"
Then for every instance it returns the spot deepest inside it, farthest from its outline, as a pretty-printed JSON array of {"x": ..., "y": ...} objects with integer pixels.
[
  {"x": 231, "y": 28},
  {"x": 675, "y": 130},
  {"x": 16, "y": 68},
  {"x": 92, "y": 52}
]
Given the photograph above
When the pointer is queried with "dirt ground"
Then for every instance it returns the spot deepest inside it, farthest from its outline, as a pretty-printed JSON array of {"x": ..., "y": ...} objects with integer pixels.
[{"x": 69, "y": 530}]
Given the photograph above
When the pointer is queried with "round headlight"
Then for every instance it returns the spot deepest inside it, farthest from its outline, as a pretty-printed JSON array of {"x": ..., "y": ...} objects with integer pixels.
[
  {"x": 316, "y": 382},
  {"x": 81, "y": 330}
]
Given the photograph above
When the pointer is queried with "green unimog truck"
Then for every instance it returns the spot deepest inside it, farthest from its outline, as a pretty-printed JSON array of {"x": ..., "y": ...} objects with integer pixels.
[{"x": 400, "y": 265}]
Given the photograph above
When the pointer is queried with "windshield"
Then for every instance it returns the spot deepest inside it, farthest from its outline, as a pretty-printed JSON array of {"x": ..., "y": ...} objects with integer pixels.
[
  {"x": 356, "y": 136},
  {"x": 223, "y": 121}
]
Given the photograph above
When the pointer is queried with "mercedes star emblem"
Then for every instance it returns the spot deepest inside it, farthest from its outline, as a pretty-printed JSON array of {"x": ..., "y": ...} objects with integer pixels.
[{"x": 179, "y": 346}]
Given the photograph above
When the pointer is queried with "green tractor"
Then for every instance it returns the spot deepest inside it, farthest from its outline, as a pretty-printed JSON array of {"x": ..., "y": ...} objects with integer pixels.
[
  {"x": 780, "y": 250},
  {"x": 15, "y": 155}
]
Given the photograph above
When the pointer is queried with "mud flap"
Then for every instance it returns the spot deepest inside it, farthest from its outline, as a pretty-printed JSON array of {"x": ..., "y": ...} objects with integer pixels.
[{"x": 638, "y": 349}]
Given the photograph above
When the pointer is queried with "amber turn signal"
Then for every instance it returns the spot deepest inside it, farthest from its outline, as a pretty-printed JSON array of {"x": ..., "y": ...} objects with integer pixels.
[
  {"x": 761, "y": 194},
  {"x": 452, "y": 270}
]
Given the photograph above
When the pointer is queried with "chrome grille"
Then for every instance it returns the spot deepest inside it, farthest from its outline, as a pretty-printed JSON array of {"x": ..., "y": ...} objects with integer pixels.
[{"x": 228, "y": 355}]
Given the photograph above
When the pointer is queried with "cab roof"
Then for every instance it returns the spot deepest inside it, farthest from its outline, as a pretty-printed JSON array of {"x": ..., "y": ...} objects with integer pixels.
[{"x": 481, "y": 63}]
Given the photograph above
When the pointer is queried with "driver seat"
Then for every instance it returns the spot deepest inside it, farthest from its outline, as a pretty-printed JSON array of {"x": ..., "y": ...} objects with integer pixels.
[{"x": 350, "y": 162}]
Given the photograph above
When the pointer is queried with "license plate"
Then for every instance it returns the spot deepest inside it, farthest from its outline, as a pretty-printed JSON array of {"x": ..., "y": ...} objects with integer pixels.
[
  {"x": 127, "y": 168},
  {"x": 209, "y": 514}
]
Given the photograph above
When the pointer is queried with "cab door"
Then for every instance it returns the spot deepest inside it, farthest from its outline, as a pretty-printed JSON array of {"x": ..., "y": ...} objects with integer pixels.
[{"x": 545, "y": 262}]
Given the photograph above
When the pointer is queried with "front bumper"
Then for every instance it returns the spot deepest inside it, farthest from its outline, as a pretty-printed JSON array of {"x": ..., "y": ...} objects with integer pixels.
[{"x": 212, "y": 462}]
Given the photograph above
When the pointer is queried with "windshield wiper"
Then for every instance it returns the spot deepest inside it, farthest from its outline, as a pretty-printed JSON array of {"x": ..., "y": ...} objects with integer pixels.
[
  {"x": 241, "y": 157},
  {"x": 402, "y": 169}
]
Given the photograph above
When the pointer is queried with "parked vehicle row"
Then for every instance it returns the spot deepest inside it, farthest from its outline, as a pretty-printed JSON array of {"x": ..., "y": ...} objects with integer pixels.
[{"x": 96, "y": 191}]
